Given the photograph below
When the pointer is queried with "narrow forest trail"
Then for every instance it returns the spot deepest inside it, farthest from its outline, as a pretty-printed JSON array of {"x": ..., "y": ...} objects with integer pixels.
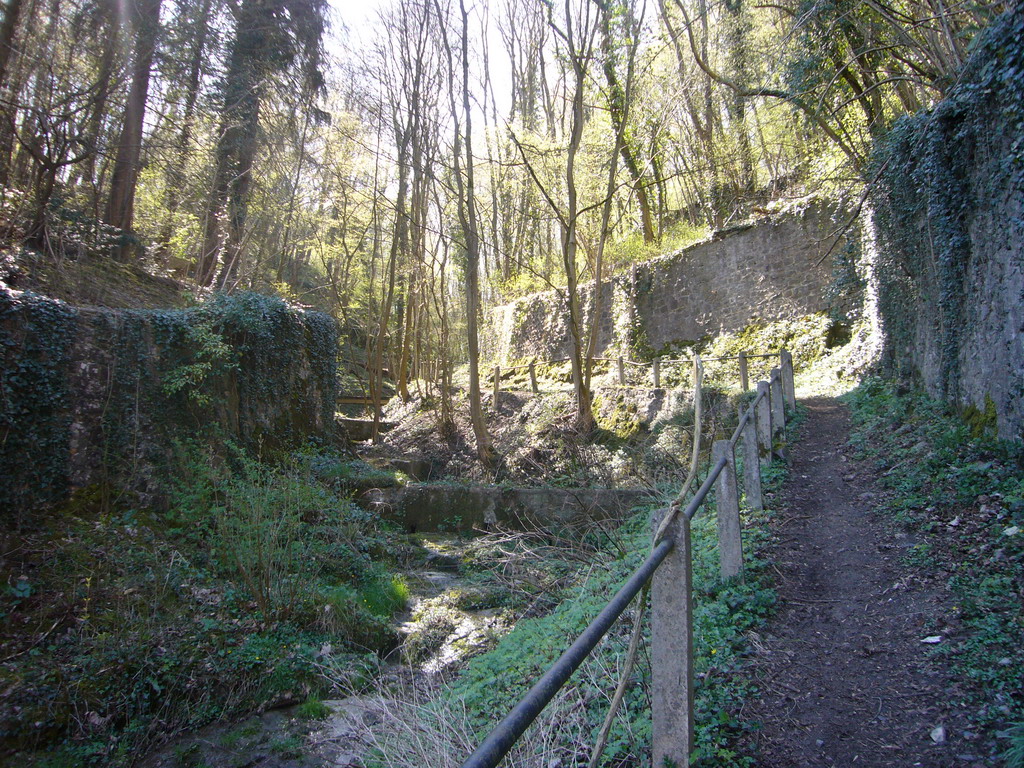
[{"x": 844, "y": 677}]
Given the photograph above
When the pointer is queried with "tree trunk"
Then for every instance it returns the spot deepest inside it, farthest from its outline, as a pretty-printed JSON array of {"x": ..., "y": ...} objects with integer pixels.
[
  {"x": 236, "y": 147},
  {"x": 176, "y": 166},
  {"x": 8, "y": 31},
  {"x": 618, "y": 107},
  {"x": 585, "y": 422},
  {"x": 145, "y": 21}
]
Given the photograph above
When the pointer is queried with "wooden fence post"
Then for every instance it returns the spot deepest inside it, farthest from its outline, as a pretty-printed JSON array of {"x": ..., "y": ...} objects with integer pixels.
[
  {"x": 730, "y": 543},
  {"x": 751, "y": 465},
  {"x": 788, "y": 386},
  {"x": 497, "y": 385},
  {"x": 744, "y": 380},
  {"x": 533, "y": 378},
  {"x": 672, "y": 652},
  {"x": 778, "y": 415},
  {"x": 656, "y": 372},
  {"x": 763, "y": 424},
  {"x": 622, "y": 373}
]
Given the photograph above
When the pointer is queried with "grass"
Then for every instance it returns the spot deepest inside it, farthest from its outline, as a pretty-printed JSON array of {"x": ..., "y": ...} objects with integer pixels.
[
  {"x": 124, "y": 626},
  {"x": 963, "y": 496},
  {"x": 313, "y": 709},
  {"x": 443, "y": 727}
]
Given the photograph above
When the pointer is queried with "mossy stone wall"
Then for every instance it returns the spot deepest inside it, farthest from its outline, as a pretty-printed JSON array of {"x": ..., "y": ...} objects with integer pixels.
[
  {"x": 98, "y": 396},
  {"x": 948, "y": 214},
  {"x": 774, "y": 269}
]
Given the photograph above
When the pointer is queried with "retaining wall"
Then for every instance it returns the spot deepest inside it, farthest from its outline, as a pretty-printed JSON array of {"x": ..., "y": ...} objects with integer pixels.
[
  {"x": 756, "y": 273},
  {"x": 441, "y": 507}
]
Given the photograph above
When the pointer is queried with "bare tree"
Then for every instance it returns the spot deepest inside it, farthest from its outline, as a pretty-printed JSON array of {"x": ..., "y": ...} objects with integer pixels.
[{"x": 469, "y": 223}]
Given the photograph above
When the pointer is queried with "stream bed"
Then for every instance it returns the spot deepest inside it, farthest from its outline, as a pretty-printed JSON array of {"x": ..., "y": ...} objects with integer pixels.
[{"x": 451, "y": 615}]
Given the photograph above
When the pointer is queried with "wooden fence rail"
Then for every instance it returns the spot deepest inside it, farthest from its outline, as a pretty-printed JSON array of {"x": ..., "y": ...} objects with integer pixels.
[
  {"x": 785, "y": 365},
  {"x": 669, "y": 567}
]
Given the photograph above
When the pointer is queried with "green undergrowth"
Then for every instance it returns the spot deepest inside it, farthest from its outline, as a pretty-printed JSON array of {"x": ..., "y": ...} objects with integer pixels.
[
  {"x": 724, "y": 613},
  {"x": 963, "y": 496},
  {"x": 262, "y": 584},
  {"x": 817, "y": 343}
]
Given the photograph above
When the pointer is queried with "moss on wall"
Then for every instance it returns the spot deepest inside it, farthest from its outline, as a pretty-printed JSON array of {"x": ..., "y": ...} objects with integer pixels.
[
  {"x": 774, "y": 269},
  {"x": 949, "y": 216},
  {"x": 99, "y": 396}
]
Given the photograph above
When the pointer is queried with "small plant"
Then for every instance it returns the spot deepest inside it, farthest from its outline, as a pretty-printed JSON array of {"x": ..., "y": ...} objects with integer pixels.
[
  {"x": 313, "y": 709},
  {"x": 1014, "y": 754},
  {"x": 289, "y": 747},
  {"x": 385, "y": 595},
  {"x": 259, "y": 533}
]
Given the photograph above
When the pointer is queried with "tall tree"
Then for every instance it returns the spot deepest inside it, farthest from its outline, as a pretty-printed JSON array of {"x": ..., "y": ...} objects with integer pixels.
[
  {"x": 144, "y": 20},
  {"x": 196, "y": 30},
  {"x": 271, "y": 37},
  {"x": 616, "y": 14},
  {"x": 469, "y": 222}
]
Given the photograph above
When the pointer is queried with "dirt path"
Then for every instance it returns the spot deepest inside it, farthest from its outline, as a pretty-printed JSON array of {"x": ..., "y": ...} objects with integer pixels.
[{"x": 844, "y": 676}]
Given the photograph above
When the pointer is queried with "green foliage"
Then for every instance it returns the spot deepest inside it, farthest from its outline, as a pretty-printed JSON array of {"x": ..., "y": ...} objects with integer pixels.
[
  {"x": 619, "y": 421},
  {"x": 288, "y": 747},
  {"x": 313, "y": 709},
  {"x": 211, "y": 355},
  {"x": 260, "y": 533},
  {"x": 494, "y": 681},
  {"x": 983, "y": 422},
  {"x": 1014, "y": 755},
  {"x": 34, "y": 421},
  {"x": 355, "y": 475},
  {"x": 623, "y": 253},
  {"x": 224, "y": 604}
]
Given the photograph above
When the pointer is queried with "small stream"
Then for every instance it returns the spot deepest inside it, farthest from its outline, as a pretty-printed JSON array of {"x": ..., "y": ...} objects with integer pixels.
[{"x": 448, "y": 618}]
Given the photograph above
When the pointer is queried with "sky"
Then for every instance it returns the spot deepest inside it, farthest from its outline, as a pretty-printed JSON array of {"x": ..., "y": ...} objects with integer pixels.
[{"x": 360, "y": 17}]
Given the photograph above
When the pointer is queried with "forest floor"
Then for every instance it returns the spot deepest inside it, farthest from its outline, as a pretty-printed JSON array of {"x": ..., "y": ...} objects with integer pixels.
[{"x": 845, "y": 667}]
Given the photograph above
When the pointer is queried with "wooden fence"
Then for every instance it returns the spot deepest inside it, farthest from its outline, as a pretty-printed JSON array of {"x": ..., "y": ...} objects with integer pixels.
[
  {"x": 762, "y": 430},
  {"x": 656, "y": 365}
]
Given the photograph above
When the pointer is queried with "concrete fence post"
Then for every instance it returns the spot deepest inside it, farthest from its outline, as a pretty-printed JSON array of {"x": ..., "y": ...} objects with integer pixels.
[
  {"x": 497, "y": 385},
  {"x": 763, "y": 424},
  {"x": 751, "y": 465},
  {"x": 744, "y": 379},
  {"x": 622, "y": 373},
  {"x": 656, "y": 372},
  {"x": 778, "y": 415},
  {"x": 533, "y": 378},
  {"x": 672, "y": 652},
  {"x": 788, "y": 386},
  {"x": 730, "y": 543}
]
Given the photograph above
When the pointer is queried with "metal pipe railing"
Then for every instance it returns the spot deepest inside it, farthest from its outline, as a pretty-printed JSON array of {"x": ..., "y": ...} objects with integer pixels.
[
  {"x": 501, "y": 739},
  {"x": 497, "y": 744},
  {"x": 507, "y": 732}
]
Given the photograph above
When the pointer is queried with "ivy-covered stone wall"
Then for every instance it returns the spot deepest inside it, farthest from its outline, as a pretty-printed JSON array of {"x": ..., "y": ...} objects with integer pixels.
[
  {"x": 771, "y": 270},
  {"x": 103, "y": 397},
  {"x": 948, "y": 215}
]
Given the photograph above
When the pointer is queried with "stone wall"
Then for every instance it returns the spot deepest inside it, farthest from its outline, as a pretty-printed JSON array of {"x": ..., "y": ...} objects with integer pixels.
[
  {"x": 443, "y": 507},
  {"x": 948, "y": 218},
  {"x": 756, "y": 273},
  {"x": 100, "y": 397}
]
